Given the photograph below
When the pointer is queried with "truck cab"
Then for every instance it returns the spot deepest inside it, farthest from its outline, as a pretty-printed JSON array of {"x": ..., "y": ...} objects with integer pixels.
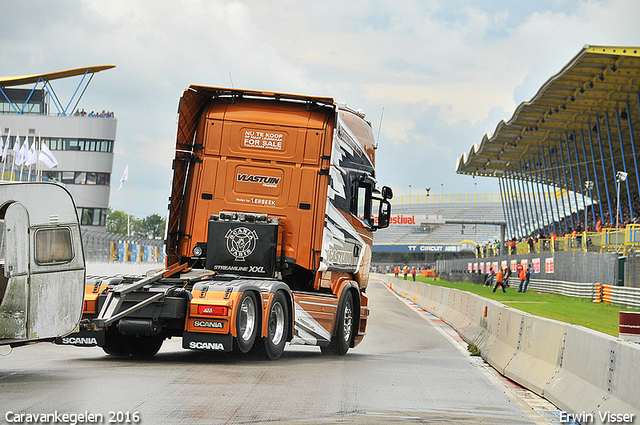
[{"x": 271, "y": 217}]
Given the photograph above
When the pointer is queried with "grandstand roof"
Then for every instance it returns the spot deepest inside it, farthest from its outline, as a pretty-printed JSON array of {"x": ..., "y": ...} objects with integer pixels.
[
  {"x": 597, "y": 81},
  {"x": 32, "y": 79},
  {"x": 582, "y": 125}
]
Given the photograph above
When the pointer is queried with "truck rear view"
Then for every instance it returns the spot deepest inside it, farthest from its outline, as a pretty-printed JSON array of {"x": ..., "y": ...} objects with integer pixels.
[{"x": 271, "y": 218}]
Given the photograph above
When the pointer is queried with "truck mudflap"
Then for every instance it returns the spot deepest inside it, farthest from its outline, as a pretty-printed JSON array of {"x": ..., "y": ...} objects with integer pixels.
[
  {"x": 207, "y": 342},
  {"x": 83, "y": 338}
]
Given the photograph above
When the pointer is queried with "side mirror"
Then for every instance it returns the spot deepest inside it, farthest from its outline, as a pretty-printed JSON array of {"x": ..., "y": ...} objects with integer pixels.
[
  {"x": 384, "y": 214},
  {"x": 387, "y": 193}
]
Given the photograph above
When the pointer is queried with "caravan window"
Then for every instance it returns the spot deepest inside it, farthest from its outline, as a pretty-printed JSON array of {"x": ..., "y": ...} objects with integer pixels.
[{"x": 53, "y": 246}]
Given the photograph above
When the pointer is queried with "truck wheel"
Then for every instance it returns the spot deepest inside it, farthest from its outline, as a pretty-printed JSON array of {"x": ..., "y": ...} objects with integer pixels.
[
  {"x": 143, "y": 346},
  {"x": 277, "y": 327},
  {"x": 114, "y": 343},
  {"x": 341, "y": 340},
  {"x": 247, "y": 322}
]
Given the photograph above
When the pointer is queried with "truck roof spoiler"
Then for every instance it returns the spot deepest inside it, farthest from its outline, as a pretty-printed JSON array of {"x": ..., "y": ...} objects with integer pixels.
[{"x": 226, "y": 92}]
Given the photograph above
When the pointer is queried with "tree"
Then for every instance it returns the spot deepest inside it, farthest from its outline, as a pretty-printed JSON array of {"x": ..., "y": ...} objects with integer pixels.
[
  {"x": 117, "y": 221},
  {"x": 152, "y": 226}
]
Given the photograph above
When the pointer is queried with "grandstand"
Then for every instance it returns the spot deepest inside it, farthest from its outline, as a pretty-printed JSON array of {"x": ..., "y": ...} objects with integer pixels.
[
  {"x": 418, "y": 224},
  {"x": 572, "y": 145},
  {"x": 567, "y": 167}
]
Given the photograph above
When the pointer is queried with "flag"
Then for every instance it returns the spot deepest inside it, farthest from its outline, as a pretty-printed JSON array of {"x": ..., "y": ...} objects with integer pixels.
[
  {"x": 125, "y": 176},
  {"x": 22, "y": 153},
  {"x": 16, "y": 149},
  {"x": 6, "y": 145},
  {"x": 47, "y": 157},
  {"x": 31, "y": 155}
]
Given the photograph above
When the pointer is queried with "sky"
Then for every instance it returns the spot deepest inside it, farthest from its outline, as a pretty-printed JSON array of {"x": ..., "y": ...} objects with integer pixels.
[{"x": 434, "y": 76}]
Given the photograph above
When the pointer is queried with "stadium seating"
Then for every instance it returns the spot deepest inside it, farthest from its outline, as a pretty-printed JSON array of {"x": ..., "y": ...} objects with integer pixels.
[{"x": 443, "y": 233}]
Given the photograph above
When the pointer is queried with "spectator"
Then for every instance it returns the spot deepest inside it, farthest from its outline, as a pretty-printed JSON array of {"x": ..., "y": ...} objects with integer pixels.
[
  {"x": 529, "y": 273},
  {"x": 499, "y": 280},
  {"x": 490, "y": 276},
  {"x": 507, "y": 275},
  {"x": 521, "y": 276},
  {"x": 530, "y": 241}
]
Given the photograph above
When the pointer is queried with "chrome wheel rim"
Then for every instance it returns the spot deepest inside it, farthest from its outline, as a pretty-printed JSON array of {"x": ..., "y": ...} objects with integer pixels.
[
  {"x": 276, "y": 323},
  {"x": 247, "y": 318},
  {"x": 347, "y": 322}
]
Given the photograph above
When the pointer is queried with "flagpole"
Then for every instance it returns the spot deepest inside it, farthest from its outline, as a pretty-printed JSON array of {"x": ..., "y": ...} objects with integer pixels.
[
  {"x": 30, "y": 159},
  {"x": 38, "y": 145},
  {"x": 4, "y": 156},
  {"x": 15, "y": 154},
  {"x": 2, "y": 147},
  {"x": 26, "y": 140},
  {"x": 128, "y": 209}
]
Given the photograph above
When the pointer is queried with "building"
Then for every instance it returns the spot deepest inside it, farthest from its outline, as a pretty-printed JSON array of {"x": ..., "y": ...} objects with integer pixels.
[{"x": 81, "y": 143}]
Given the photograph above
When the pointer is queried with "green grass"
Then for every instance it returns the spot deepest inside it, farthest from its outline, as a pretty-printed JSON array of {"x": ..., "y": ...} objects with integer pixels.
[{"x": 601, "y": 317}]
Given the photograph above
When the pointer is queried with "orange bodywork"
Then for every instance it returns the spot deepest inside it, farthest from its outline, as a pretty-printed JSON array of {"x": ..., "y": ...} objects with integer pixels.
[
  {"x": 297, "y": 142},
  {"x": 251, "y": 152}
]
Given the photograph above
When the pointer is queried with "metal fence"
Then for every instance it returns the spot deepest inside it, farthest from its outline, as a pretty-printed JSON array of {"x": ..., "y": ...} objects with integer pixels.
[
  {"x": 568, "y": 266},
  {"x": 100, "y": 247},
  {"x": 570, "y": 289}
]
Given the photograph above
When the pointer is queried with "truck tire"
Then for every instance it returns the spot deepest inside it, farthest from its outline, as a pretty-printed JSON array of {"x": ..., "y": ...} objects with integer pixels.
[
  {"x": 341, "y": 339},
  {"x": 247, "y": 322},
  {"x": 143, "y": 346},
  {"x": 114, "y": 343},
  {"x": 274, "y": 342}
]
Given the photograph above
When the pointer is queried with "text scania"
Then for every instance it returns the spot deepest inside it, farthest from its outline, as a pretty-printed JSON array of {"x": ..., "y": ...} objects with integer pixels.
[
  {"x": 198, "y": 345},
  {"x": 80, "y": 341},
  {"x": 207, "y": 324},
  {"x": 264, "y": 180}
]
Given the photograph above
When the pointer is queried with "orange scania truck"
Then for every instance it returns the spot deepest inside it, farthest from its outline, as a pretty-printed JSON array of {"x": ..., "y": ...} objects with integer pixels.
[{"x": 271, "y": 218}]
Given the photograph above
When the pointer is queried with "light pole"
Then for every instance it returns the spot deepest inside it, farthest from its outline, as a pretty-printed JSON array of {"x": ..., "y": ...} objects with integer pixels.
[
  {"x": 588, "y": 185},
  {"x": 409, "y": 192},
  {"x": 620, "y": 177}
]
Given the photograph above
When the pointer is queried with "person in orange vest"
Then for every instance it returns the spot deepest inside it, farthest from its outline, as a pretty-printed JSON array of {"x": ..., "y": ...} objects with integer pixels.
[
  {"x": 413, "y": 273},
  {"x": 499, "y": 280},
  {"x": 396, "y": 271},
  {"x": 522, "y": 276},
  {"x": 405, "y": 271}
]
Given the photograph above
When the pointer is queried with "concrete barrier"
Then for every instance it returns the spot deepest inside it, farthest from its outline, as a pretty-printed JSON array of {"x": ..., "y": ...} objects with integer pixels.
[
  {"x": 583, "y": 382},
  {"x": 539, "y": 354},
  {"x": 579, "y": 370},
  {"x": 503, "y": 324}
]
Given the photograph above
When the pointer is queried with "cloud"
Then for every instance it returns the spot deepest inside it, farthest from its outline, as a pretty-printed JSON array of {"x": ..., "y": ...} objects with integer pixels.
[{"x": 444, "y": 72}]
